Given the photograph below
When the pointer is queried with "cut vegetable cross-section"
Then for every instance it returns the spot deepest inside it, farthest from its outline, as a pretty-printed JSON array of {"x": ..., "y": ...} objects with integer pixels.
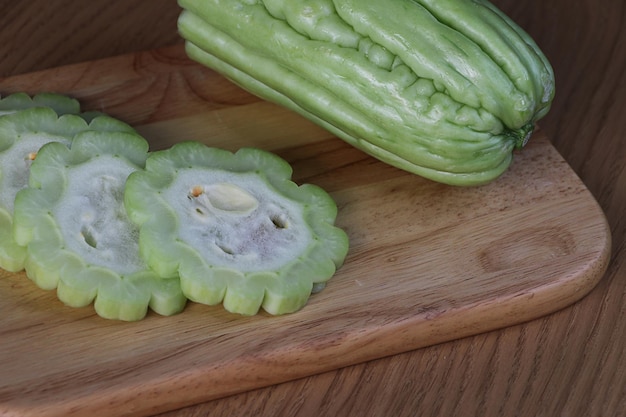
[
  {"x": 22, "y": 134},
  {"x": 234, "y": 227},
  {"x": 77, "y": 234}
]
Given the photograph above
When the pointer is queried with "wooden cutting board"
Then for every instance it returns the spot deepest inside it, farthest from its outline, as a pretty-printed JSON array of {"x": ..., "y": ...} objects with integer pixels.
[{"x": 428, "y": 263}]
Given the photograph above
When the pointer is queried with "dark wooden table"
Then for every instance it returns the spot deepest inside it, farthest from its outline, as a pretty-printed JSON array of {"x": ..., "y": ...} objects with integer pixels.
[{"x": 570, "y": 363}]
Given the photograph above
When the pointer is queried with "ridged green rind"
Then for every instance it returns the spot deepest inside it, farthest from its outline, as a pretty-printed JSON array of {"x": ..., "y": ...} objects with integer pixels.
[
  {"x": 241, "y": 289},
  {"x": 411, "y": 90},
  {"x": 510, "y": 47},
  {"x": 60, "y": 103},
  {"x": 12, "y": 255},
  {"x": 497, "y": 163},
  {"x": 27, "y": 130},
  {"x": 57, "y": 259}
]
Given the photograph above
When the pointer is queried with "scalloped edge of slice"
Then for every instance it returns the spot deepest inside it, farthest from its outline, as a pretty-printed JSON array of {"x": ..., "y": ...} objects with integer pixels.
[
  {"x": 279, "y": 291},
  {"x": 40, "y": 120},
  {"x": 49, "y": 261},
  {"x": 60, "y": 103}
]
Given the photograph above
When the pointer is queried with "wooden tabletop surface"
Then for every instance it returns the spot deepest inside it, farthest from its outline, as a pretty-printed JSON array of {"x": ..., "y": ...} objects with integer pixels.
[{"x": 570, "y": 363}]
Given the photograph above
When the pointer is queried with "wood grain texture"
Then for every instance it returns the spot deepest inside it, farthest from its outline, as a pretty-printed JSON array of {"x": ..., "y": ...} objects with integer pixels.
[
  {"x": 567, "y": 364},
  {"x": 428, "y": 263},
  {"x": 40, "y": 34}
]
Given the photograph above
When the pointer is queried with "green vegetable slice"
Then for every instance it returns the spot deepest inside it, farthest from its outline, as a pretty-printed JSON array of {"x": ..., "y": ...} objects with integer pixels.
[
  {"x": 61, "y": 104},
  {"x": 77, "y": 234},
  {"x": 22, "y": 133},
  {"x": 234, "y": 227}
]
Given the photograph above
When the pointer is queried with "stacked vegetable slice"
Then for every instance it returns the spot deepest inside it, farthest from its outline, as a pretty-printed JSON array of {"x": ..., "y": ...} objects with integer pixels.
[
  {"x": 25, "y": 126},
  {"x": 87, "y": 210}
]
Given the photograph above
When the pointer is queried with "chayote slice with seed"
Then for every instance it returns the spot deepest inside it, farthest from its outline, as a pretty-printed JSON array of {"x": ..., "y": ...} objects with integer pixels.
[
  {"x": 78, "y": 237},
  {"x": 22, "y": 133},
  {"x": 234, "y": 227}
]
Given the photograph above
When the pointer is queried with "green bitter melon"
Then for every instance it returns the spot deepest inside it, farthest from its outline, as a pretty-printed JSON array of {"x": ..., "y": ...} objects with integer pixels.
[{"x": 445, "y": 89}]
